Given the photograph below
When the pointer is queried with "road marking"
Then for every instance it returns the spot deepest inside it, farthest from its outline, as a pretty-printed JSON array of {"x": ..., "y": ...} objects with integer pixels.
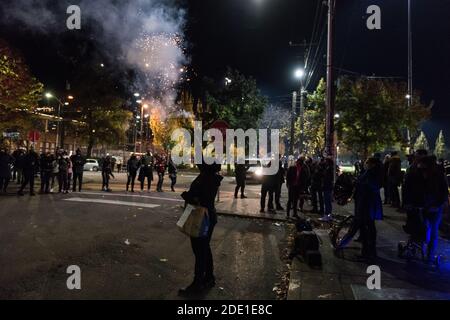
[
  {"x": 116, "y": 202},
  {"x": 130, "y": 195}
]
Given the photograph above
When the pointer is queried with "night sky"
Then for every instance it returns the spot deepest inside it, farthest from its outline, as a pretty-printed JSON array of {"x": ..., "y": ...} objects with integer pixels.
[{"x": 253, "y": 36}]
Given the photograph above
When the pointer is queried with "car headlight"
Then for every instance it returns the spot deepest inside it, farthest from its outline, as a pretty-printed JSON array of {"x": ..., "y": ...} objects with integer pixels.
[{"x": 259, "y": 172}]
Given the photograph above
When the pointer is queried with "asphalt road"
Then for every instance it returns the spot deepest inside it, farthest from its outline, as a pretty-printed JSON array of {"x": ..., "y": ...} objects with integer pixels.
[{"x": 128, "y": 247}]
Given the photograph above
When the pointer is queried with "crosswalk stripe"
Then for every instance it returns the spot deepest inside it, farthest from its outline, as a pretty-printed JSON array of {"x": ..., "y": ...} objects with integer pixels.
[
  {"x": 116, "y": 202},
  {"x": 130, "y": 195}
]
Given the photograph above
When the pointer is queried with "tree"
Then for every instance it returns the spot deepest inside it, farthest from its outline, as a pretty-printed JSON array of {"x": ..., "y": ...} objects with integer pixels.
[
  {"x": 373, "y": 113},
  {"x": 314, "y": 121},
  {"x": 440, "y": 149},
  {"x": 421, "y": 142},
  {"x": 20, "y": 92},
  {"x": 100, "y": 109},
  {"x": 239, "y": 103},
  {"x": 275, "y": 117}
]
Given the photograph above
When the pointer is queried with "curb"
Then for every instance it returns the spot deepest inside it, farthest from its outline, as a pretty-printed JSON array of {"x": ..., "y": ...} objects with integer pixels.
[{"x": 260, "y": 216}]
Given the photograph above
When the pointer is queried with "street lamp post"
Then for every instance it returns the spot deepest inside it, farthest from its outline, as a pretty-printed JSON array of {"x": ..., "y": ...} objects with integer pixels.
[
  {"x": 48, "y": 95},
  {"x": 144, "y": 106}
]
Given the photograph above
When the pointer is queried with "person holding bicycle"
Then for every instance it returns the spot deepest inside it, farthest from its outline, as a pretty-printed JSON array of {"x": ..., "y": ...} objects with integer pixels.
[{"x": 368, "y": 209}]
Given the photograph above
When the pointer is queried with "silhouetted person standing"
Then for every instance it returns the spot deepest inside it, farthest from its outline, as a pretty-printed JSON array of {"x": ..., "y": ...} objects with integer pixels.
[
  {"x": 78, "y": 162},
  {"x": 172, "y": 169},
  {"x": 279, "y": 185},
  {"x": 240, "y": 171},
  {"x": 5, "y": 169},
  {"x": 394, "y": 178},
  {"x": 132, "y": 168},
  {"x": 30, "y": 167},
  {"x": 146, "y": 170},
  {"x": 203, "y": 192},
  {"x": 106, "y": 173}
]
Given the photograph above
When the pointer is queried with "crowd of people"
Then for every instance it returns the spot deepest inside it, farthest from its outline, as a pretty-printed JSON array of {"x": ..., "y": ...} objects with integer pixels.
[
  {"x": 423, "y": 187},
  {"x": 23, "y": 166},
  {"x": 305, "y": 178}
]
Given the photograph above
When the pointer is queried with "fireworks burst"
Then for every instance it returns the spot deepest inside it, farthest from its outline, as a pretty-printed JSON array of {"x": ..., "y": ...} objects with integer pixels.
[{"x": 159, "y": 57}]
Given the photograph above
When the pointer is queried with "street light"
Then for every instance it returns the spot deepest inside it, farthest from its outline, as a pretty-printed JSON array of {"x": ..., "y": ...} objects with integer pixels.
[
  {"x": 228, "y": 81},
  {"x": 49, "y": 95},
  {"x": 299, "y": 73},
  {"x": 136, "y": 94},
  {"x": 144, "y": 106}
]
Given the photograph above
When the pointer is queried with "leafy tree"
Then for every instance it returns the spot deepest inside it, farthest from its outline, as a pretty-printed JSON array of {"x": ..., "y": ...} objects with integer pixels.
[
  {"x": 372, "y": 114},
  {"x": 100, "y": 109},
  {"x": 421, "y": 142},
  {"x": 20, "y": 92},
  {"x": 239, "y": 103},
  {"x": 440, "y": 149},
  {"x": 162, "y": 129},
  {"x": 314, "y": 121}
]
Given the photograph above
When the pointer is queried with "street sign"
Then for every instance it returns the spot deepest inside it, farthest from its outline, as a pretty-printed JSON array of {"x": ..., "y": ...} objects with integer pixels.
[
  {"x": 11, "y": 135},
  {"x": 34, "y": 136}
]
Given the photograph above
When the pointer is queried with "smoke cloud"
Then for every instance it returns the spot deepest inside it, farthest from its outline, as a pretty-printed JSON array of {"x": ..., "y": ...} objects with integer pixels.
[{"x": 146, "y": 35}]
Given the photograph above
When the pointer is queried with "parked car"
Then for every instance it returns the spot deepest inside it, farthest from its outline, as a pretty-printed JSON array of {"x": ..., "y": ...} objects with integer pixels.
[
  {"x": 255, "y": 171},
  {"x": 91, "y": 165}
]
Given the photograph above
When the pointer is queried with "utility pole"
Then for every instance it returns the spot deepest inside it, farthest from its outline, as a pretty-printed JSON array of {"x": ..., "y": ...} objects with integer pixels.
[
  {"x": 330, "y": 109},
  {"x": 410, "y": 69},
  {"x": 294, "y": 103}
]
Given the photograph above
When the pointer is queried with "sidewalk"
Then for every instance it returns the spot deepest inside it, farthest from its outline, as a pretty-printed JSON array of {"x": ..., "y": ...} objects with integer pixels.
[
  {"x": 247, "y": 208},
  {"x": 345, "y": 278}
]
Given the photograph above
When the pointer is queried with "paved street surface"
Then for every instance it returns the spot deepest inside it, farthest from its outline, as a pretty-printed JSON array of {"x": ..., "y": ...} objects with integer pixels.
[
  {"x": 345, "y": 278},
  {"x": 127, "y": 246}
]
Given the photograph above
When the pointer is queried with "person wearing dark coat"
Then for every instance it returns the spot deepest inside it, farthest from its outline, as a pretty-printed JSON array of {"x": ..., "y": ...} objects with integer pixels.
[
  {"x": 203, "y": 192},
  {"x": 146, "y": 170},
  {"x": 394, "y": 179},
  {"x": 63, "y": 172},
  {"x": 132, "y": 169},
  {"x": 240, "y": 171},
  {"x": 30, "y": 167},
  {"x": 6, "y": 161},
  {"x": 368, "y": 209},
  {"x": 426, "y": 189},
  {"x": 296, "y": 181},
  {"x": 387, "y": 194},
  {"x": 305, "y": 191},
  {"x": 280, "y": 179},
  {"x": 172, "y": 170},
  {"x": 160, "y": 166},
  {"x": 18, "y": 156},
  {"x": 269, "y": 183},
  {"x": 106, "y": 173},
  {"x": 46, "y": 167},
  {"x": 327, "y": 187},
  {"x": 316, "y": 188},
  {"x": 78, "y": 162}
]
